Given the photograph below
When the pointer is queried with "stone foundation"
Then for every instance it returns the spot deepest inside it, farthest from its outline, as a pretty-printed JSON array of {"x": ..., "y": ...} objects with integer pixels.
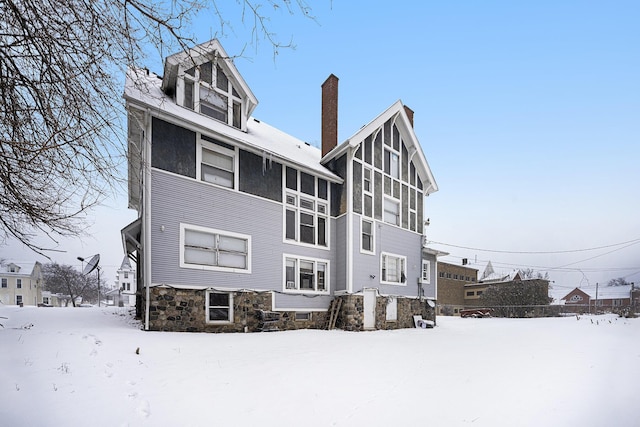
[
  {"x": 351, "y": 316},
  {"x": 183, "y": 310}
]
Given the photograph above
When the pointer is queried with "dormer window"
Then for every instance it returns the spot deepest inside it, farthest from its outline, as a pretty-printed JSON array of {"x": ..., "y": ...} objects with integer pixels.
[{"x": 209, "y": 91}]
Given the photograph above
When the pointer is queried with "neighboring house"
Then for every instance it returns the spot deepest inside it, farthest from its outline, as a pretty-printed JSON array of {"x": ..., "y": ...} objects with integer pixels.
[
  {"x": 243, "y": 227},
  {"x": 604, "y": 298},
  {"x": 54, "y": 300},
  {"x": 126, "y": 284},
  {"x": 21, "y": 283},
  {"x": 452, "y": 279}
]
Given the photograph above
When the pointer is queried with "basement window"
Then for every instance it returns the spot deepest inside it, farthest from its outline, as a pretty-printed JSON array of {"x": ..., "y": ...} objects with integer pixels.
[
  {"x": 219, "y": 307},
  {"x": 303, "y": 316}
]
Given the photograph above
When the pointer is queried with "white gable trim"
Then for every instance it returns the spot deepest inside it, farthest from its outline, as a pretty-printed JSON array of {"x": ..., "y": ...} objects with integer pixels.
[
  {"x": 408, "y": 135},
  {"x": 179, "y": 62}
]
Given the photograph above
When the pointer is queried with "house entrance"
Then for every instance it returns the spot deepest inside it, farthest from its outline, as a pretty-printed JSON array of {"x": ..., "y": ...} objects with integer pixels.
[{"x": 369, "y": 308}]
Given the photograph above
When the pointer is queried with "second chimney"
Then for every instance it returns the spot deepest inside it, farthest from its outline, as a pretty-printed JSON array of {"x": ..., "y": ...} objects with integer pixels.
[
  {"x": 409, "y": 112},
  {"x": 329, "y": 114}
]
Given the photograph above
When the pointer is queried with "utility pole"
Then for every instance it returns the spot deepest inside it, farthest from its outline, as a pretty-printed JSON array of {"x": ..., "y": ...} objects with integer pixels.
[{"x": 596, "y": 311}]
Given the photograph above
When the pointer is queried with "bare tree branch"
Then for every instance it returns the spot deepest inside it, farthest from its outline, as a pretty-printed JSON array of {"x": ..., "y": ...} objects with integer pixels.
[{"x": 61, "y": 127}]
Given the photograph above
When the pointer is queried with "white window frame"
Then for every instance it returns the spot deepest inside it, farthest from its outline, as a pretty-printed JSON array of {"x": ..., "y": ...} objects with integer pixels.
[
  {"x": 19, "y": 299},
  {"x": 373, "y": 236},
  {"x": 385, "y": 217},
  {"x": 213, "y": 86},
  {"x": 425, "y": 272},
  {"x": 4, "y": 282},
  {"x": 384, "y": 259},
  {"x": 394, "y": 167},
  {"x": 203, "y": 144},
  {"x": 365, "y": 170},
  {"x": 18, "y": 283},
  {"x": 294, "y": 288},
  {"x": 184, "y": 264},
  {"x": 320, "y": 210},
  {"x": 229, "y": 319}
]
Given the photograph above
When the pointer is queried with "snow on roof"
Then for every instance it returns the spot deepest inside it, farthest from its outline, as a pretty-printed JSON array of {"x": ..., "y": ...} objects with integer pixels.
[
  {"x": 144, "y": 87},
  {"x": 24, "y": 268},
  {"x": 606, "y": 292}
]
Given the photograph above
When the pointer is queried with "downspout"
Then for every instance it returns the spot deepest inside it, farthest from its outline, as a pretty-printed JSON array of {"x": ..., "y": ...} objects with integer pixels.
[
  {"x": 349, "y": 255},
  {"x": 146, "y": 220}
]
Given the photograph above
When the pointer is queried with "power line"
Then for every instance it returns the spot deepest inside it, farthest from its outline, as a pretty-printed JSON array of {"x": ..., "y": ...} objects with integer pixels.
[{"x": 629, "y": 243}]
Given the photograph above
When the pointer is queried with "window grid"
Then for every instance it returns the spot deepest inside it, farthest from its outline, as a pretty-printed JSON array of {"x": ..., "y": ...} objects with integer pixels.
[{"x": 306, "y": 275}]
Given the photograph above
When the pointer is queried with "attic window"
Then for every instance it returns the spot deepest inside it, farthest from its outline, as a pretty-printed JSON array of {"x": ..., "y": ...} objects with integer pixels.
[{"x": 208, "y": 90}]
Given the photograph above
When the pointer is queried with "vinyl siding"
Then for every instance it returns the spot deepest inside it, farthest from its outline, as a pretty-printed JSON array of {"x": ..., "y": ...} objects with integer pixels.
[
  {"x": 176, "y": 200},
  {"x": 393, "y": 240}
]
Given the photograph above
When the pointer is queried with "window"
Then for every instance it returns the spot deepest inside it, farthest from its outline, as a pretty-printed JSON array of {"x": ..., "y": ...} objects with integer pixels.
[
  {"x": 303, "y": 316},
  {"x": 392, "y": 164},
  {"x": 441, "y": 274},
  {"x": 208, "y": 90},
  {"x": 367, "y": 236},
  {"x": 126, "y": 275},
  {"x": 219, "y": 307},
  {"x": 575, "y": 298},
  {"x": 217, "y": 164},
  {"x": 19, "y": 283},
  {"x": 426, "y": 271},
  {"x": 306, "y": 275},
  {"x": 306, "y": 218},
  {"x": 211, "y": 249},
  {"x": 479, "y": 293},
  {"x": 367, "y": 180},
  {"x": 18, "y": 299},
  {"x": 4, "y": 282},
  {"x": 470, "y": 293},
  {"x": 455, "y": 277},
  {"x": 393, "y": 269},
  {"x": 391, "y": 211}
]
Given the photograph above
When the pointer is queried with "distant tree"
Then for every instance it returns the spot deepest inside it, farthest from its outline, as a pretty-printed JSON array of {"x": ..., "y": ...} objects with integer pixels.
[
  {"x": 515, "y": 299},
  {"x": 529, "y": 273},
  {"x": 620, "y": 281},
  {"x": 65, "y": 279},
  {"x": 61, "y": 68}
]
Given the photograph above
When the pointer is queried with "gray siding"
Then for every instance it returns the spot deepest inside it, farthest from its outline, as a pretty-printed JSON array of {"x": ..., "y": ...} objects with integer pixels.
[
  {"x": 176, "y": 200},
  {"x": 340, "y": 245},
  {"x": 430, "y": 289},
  {"x": 392, "y": 240}
]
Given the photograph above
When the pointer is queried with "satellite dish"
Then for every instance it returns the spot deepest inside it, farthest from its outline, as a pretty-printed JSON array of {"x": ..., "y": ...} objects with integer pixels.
[
  {"x": 91, "y": 265},
  {"x": 431, "y": 303}
]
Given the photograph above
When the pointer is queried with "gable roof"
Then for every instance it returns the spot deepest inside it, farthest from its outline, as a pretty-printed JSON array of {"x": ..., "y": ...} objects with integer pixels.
[
  {"x": 604, "y": 292},
  {"x": 397, "y": 112},
  {"x": 126, "y": 264},
  {"x": 205, "y": 52},
  {"x": 143, "y": 88},
  {"x": 22, "y": 268}
]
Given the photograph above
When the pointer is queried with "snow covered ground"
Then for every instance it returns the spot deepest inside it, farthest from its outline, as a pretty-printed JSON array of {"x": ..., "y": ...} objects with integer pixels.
[{"x": 95, "y": 367}]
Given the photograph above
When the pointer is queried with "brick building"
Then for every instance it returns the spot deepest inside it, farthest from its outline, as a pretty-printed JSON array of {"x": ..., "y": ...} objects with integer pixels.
[{"x": 452, "y": 279}]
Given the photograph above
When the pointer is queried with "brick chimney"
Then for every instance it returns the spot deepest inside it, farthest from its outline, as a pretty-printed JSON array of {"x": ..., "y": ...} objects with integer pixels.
[
  {"x": 409, "y": 112},
  {"x": 329, "y": 114}
]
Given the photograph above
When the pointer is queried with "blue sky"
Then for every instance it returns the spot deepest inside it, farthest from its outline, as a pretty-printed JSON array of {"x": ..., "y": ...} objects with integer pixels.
[{"x": 528, "y": 113}]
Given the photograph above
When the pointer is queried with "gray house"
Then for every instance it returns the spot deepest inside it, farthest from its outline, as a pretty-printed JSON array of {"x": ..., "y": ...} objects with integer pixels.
[{"x": 242, "y": 227}]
